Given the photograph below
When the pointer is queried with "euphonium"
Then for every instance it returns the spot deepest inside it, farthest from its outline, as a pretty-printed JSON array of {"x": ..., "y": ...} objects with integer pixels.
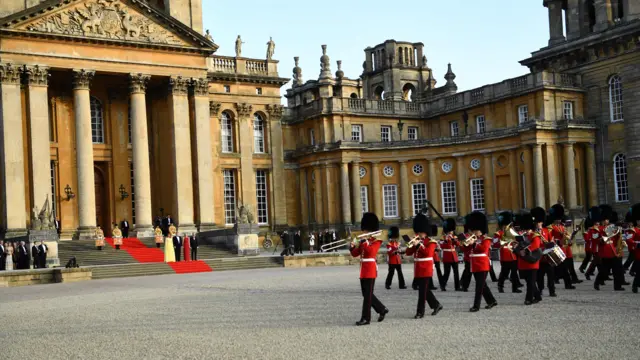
[
  {"x": 621, "y": 245},
  {"x": 509, "y": 235},
  {"x": 610, "y": 231}
]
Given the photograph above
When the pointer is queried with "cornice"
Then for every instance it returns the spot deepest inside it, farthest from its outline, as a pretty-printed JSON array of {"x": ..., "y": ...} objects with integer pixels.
[{"x": 254, "y": 79}]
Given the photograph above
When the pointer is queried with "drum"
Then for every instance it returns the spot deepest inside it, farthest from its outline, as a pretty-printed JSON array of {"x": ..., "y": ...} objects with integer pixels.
[
  {"x": 554, "y": 256},
  {"x": 495, "y": 254}
]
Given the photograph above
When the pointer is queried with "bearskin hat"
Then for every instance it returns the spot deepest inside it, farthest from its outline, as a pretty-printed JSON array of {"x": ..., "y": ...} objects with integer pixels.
[
  {"x": 538, "y": 214},
  {"x": 421, "y": 224},
  {"x": 477, "y": 221},
  {"x": 635, "y": 212},
  {"x": 505, "y": 218},
  {"x": 595, "y": 214},
  {"x": 369, "y": 222},
  {"x": 449, "y": 225},
  {"x": 556, "y": 212},
  {"x": 587, "y": 223},
  {"x": 614, "y": 217},
  {"x": 524, "y": 221},
  {"x": 606, "y": 212},
  {"x": 394, "y": 232},
  {"x": 628, "y": 218}
]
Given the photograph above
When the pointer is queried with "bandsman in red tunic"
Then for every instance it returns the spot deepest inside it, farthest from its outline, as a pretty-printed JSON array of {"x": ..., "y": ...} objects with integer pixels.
[
  {"x": 546, "y": 269},
  {"x": 448, "y": 244},
  {"x": 394, "y": 258},
  {"x": 466, "y": 250},
  {"x": 480, "y": 260},
  {"x": 588, "y": 254},
  {"x": 631, "y": 245},
  {"x": 423, "y": 249},
  {"x": 508, "y": 264},
  {"x": 592, "y": 238},
  {"x": 436, "y": 261},
  {"x": 367, "y": 251},
  {"x": 608, "y": 253},
  {"x": 635, "y": 217},
  {"x": 561, "y": 236},
  {"x": 529, "y": 251}
]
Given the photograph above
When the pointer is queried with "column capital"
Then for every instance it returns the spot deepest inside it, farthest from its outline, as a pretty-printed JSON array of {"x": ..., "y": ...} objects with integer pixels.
[
  {"x": 244, "y": 109},
  {"x": 36, "y": 75},
  {"x": 275, "y": 111},
  {"x": 200, "y": 86},
  {"x": 214, "y": 108},
  {"x": 355, "y": 162},
  {"x": 9, "y": 74},
  {"x": 178, "y": 85},
  {"x": 568, "y": 143},
  {"x": 487, "y": 155},
  {"x": 375, "y": 163},
  {"x": 138, "y": 83},
  {"x": 82, "y": 78}
]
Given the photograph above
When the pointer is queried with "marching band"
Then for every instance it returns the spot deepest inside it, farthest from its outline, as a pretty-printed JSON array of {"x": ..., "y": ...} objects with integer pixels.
[{"x": 531, "y": 246}]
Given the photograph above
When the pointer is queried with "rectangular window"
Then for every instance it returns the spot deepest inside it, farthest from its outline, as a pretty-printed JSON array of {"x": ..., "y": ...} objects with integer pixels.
[
  {"x": 261, "y": 194},
  {"x": 390, "y": 196},
  {"x": 419, "y": 197},
  {"x": 258, "y": 135},
  {"x": 481, "y": 126},
  {"x": 364, "y": 199},
  {"x": 356, "y": 133},
  {"x": 523, "y": 185},
  {"x": 567, "y": 110},
  {"x": 449, "y": 197},
  {"x": 312, "y": 137},
  {"x": 477, "y": 194},
  {"x": 385, "y": 133},
  {"x": 227, "y": 88},
  {"x": 454, "y": 128},
  {"x": 227, "y": 134},
  {"x": 413, "y": 132},
  {"x": 133, "y": 195},
  {"x": 523, "y": 114},
  {"x": 258, "y": 91},
  {"x": 53, "y": 188},
  {"x": 229, "y": 196}
]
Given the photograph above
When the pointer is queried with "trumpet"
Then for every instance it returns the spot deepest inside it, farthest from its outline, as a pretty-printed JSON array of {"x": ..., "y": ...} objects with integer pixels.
[
  {"x": 413, "y": 242},
  {"x": 468, "y": 240},
  {"x": 348, "y": 242}
]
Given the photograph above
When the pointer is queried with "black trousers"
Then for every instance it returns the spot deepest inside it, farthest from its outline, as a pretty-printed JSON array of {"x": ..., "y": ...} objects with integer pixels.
[
  {"x": 492, "y": 272},
  {"x": 530, "y": 277},
  {"x": 482, "y": 290},
  {"x": 466, "y": 275},
  {"x": 3, "y": 262},
  {"x": 392, "y": 269},
  {"x": 636, "y": 269},
  {"x": 439, "y": 272},
  {"x": 562, "y": 272},
  {"x": 445, "y": 278},
  {"x": 424, "y": 293},
  {"x": 369, "y": 300},
  {"x": 587, "y": 258},
  {"x": 569, "y": 267},
  {"x": 194, "y": 253},
  {"x": 630, "y": 260},
  {"x": 550, "y": 271},
  {"x": 509, "y": 270},
  {"x": 177, "y": 250},
  {"x": 611, "y": 264}
]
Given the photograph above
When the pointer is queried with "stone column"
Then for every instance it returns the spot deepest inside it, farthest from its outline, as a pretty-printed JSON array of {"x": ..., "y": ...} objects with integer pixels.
[
  {"x": 405, "y": 198},
  {"x": 204, "y": 154},
  {"x": 245, "y": 143},
  {"x": 462, "y": 187},
  {"x": 14, "y": 216},
  {"x": 304, "y": 203},
  {"x": 356, "y": 196},
  {"x": 552, "y": 174},
  {"x": 513, "y": 176},
  {"x": 84, "y": 154},
  {"x": 538, "y": 173},
  {"x": 592, "y": 180},
  {"x": 376, "y": 189},
  {"x": 141, "y": 170},
  {"x": 432, "y": 196},
  {"x": 277, "y": 154},
  {"x": 604, "y": 17},
  {"x": 330, "y": 196},
  {"x": 489, "y": 196},
  {"x": 555, "y": 22},
  {"x": 36, "y": 81},
  {"x": 573, "y": 19},
  {"x": 528, "y": 176},
  {"x": 571, "y": 196},
  {"x": 345, "y": 193},
  {"x": 181, "y": 137},
  {"x": 318, "y": 195}
]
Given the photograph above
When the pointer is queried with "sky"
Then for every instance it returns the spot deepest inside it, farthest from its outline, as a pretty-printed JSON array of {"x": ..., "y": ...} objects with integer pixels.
[{"x": 483, "y": 40}]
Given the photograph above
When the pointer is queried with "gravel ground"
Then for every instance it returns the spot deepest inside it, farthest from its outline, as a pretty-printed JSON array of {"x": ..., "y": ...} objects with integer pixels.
[{"x": 303, "y": 314}]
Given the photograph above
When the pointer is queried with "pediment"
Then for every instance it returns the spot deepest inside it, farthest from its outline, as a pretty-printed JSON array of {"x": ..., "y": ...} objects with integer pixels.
[{"x": 129, "y": 21}]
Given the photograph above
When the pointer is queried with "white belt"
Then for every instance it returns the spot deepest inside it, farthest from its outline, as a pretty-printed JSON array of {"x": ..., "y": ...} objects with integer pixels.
[
  {"x": 637, "y": 242},
  {"x": 477, "y": 255},
  {"x": 451, "y": 250},
  {"x": 368, "y": 260},
  {"x": 423, "y": 259}
]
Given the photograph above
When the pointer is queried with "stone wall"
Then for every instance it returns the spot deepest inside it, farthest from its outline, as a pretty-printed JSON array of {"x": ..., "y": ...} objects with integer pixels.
[{"x": 43, "y": 276}]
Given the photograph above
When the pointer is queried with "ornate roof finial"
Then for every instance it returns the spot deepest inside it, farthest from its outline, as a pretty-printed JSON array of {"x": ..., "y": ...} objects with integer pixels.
[
  {"x": 450, "y": 76},
  {"x": 339, "y": 73},
  {"x": 424, "y": 60},
  {"x": 325, "y": 64},
  {"x": 297, "y": 73}
]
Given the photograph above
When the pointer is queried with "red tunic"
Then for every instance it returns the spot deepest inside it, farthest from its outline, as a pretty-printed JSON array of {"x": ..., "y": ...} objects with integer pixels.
[
  {"x": 436, "y": 254},
  {"x": 557, "y": 234},
  {"x": 466, "y": 250},
  {"x": 536, "y": 243},
  {"x": 607, "y": 251},
  {"x": 593, "y": 236},
  {"x": 448, "y": 245},
  {"x": 629, "y": 238},
  {"x": 368, "y": 250},
  {"x": 636, "y": 243},
  {"x": 506, "y": 255},
  {"x": 480, "y": 261},
  {"x": 392, "y": 251},
  {"x": 423, "y": 258}
]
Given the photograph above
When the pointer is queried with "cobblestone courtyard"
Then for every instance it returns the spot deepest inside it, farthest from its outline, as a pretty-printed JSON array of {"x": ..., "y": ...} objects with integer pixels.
[{"x": 303, "y": 314}]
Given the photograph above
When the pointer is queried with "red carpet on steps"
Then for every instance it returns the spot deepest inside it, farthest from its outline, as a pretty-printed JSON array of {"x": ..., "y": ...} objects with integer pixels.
[
  {"x": 185, "y": 267},
  {"x": 139, "y": 251}
]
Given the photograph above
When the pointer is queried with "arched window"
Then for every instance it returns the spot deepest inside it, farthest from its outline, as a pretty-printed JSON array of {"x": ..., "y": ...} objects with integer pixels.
[
  {"x": 620, "y": 177},
  {"x": 407, "y": 92},
  {"x": 97, "y": 122},
  {"x": 226, "y": 131},
  {"x": 378, "y": 93},
  {"x": 615, "y": 98},
  {"x": 258, "y": 134},
  {"x": 354, "y": 96}
]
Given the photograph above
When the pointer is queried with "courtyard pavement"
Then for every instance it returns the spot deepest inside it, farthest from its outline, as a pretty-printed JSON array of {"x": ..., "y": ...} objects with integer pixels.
[{"x": 304, "y": 314}]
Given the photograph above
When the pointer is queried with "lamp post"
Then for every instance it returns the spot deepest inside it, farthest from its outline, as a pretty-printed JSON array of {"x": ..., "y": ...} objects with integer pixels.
[
  {"x": 123, "y": 193},
  {"x": 69, "y": 192},
  {"x": 400, "y": 127}
]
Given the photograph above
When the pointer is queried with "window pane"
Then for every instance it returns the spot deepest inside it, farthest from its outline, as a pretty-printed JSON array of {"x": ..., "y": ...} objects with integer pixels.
[
  {"x": 477, "y": 194},
  {"x": 390, "y": 195},
  {"x": 454, "y": 128},
  {"x": 413, "y": 133},
  {"x": 97, "y": 123},
  {"x": 449, "y": 197},
  {"x": 356, "y": 133},
  {"x": 229, "y": 197},
  {"x": 258, "y": 134},
  {"x": 227, "y": 133},
  {"x": 620, "y": 174},
  {"x": 523, "y": 114},
  {"x": 480, "y": 124},
  {"x": 615, "y": 98},
  {"x": 567, "y": 110},
  {"x": 261, "y": 193},
  {"x": 385, "y": 133},
  {"x": 364, "y": 199},
  {"x": 419, "y": 197}
]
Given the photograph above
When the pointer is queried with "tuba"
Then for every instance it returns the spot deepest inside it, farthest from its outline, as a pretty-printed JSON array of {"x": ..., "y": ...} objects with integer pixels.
[{"x": 509, "y": 236}]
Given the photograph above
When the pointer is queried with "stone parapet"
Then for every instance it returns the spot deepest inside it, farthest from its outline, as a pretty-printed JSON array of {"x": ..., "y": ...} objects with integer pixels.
[{"x": 43, "y": 276}]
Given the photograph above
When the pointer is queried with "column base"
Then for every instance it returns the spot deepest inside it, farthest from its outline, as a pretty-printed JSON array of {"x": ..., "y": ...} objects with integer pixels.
[
  {"x": 204, "y": 227},
  {"x": 187, "y": 229},
  {"x": 87, "y": 233},
  {"x": 144, "y": 232},
  {"x": 16, "y": 234}
]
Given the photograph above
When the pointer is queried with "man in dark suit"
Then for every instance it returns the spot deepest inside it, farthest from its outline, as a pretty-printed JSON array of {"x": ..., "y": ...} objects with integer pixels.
[
  {"x": 177, "y": 246},
  {"x": 193, "y": 243},
  {"x": 166, "y": 222},
  {"x": 56, "y": 222},
  {"x": 3, "y": 256},
  {"x": 285, "y": 243},
  {"x": 23, "y": 256},
  {"x": 328, "y": 239},
  {"x": 35, "y": 255},
  {"x": 42, "y": 252},
  {"x": 297, "y": 242},
  {"x": 124, "y": 226}
]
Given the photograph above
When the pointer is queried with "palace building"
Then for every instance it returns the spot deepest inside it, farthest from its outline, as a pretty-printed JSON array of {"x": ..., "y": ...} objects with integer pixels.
[{"x": 142, "y": 119}]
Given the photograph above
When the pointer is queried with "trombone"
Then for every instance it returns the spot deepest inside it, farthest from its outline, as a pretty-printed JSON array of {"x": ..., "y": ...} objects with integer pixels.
[{"x": 347, "y": 242}]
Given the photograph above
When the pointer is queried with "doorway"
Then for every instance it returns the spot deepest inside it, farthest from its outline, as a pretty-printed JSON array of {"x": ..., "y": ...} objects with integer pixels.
[{"x": 102, "y": 203}]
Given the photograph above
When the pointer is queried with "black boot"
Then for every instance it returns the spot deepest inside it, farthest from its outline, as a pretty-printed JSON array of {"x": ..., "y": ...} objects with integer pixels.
[
  {"x": 383, "y": 314},
  {"x": 362, "y": 322}
]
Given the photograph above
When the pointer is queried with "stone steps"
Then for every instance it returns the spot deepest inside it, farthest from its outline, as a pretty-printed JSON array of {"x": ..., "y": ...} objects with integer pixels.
[{"x": 204, "y": 251}]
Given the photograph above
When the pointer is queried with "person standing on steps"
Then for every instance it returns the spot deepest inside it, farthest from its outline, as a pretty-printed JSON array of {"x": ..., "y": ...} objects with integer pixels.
[
  {"x": 42, "y": 252},
  {"x": 193, "y": 242},
  {"x": 124, "y": 226},
  {"x": 35, "y": 255},
  {"x": 177, "y": 246}
]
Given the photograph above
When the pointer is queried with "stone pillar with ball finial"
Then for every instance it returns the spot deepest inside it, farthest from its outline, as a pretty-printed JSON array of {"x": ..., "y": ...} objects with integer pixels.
[{"x": 325, "y": 80}]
